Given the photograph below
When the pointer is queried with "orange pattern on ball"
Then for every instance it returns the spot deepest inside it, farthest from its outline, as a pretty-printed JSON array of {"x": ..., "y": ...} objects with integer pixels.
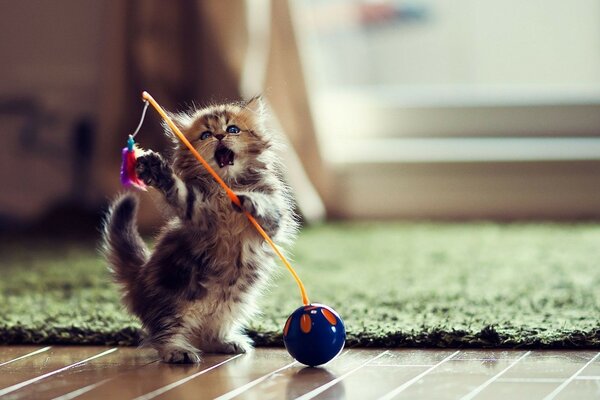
[
  {"x": 329, "y": 316},
  {"x": 286, "y": 328},
  {"x": 305, "y": 323}
]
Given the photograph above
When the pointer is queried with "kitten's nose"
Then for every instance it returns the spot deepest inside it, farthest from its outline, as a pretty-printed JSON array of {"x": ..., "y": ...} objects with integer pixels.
[{"x": 219, "y": 136}]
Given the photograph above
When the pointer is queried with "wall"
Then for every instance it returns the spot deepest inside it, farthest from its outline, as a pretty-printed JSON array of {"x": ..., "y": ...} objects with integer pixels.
[{"x": 51, "y": 53}]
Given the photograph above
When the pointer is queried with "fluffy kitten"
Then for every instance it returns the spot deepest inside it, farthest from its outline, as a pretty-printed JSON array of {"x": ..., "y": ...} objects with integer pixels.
[{"x": 197, "y": 288}]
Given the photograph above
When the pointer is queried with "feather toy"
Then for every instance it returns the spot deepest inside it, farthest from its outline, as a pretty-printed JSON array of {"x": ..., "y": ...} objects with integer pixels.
[
  {"x": 129, "y": 155},
  {"x": 128, "y": 175}
]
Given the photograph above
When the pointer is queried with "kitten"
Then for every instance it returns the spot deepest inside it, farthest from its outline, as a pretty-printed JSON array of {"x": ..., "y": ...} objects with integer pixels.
[{"x": 197, "y": 288}]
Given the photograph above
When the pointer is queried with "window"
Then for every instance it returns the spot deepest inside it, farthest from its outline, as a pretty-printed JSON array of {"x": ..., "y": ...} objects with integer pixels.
[
  {"x": 457, "y": 109},
  {"x": 401, "y": 77}
]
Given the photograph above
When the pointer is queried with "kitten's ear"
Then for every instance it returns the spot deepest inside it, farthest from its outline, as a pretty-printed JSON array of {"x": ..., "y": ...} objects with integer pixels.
[
  {"x": 256, "y": 105},
  {"x": 182, "y": 120}
]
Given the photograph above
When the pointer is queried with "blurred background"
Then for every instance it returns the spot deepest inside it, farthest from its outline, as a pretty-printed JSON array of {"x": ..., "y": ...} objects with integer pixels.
[{"x": 397, "y": 109}]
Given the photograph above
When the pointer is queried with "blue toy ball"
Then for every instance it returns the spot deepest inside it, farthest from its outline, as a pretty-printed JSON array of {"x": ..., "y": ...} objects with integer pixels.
[{"x": 314, "y": 334}]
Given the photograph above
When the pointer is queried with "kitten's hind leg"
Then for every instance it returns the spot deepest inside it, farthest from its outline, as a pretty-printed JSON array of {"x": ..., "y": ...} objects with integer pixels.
[{"x": 177, "y": 350}]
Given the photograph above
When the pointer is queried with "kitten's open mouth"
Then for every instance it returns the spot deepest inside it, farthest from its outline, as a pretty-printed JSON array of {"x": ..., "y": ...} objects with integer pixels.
[{"x": 224, "y": 156}]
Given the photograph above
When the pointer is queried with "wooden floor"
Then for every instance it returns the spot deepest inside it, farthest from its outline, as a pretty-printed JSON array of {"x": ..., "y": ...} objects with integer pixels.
[{"x": 127, "y": 373}]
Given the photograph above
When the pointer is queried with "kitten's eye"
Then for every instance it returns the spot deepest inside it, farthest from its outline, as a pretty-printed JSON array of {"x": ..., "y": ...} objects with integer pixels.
[
  {"x": 233, "y": 129},
  {"x": 205, "y": 135}
]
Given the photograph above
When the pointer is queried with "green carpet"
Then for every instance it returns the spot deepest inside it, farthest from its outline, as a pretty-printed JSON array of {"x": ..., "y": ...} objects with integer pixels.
[{"x": 472, "y": 285}]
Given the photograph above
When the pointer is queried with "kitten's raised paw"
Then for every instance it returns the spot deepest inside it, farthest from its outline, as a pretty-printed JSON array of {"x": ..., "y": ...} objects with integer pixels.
[
  {"x": 247, "y": 204},
  {"x": 151, "y": 168},
  {"x": 178, "y": 356}
]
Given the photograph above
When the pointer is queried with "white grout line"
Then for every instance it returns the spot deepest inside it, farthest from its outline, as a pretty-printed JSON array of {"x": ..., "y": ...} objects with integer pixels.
[
  {"x": 529, "y": 380},
  {"x": 484, "y": 359},
  {"x": 403, "y": 365},
  {"x": 485, "y": 384},
  {"x": 85, "y": 389},
  {"x": 80, "y": 391},
  {"x": 33, "y": 353},
  {"x": 587, "y": 378},
  {"x": 571, "y": 378},
  {"x": 249, "y": 385},
  {"x": 405, "y": 385},
  {"x": 321, "y": 389},
  {"x": 18, "y": 386},
  {"x": 180, "y": 382}
]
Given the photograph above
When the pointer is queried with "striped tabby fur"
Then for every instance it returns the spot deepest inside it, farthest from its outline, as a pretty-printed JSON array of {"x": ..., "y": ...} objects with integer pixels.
[{"x": 197, "y": 288}]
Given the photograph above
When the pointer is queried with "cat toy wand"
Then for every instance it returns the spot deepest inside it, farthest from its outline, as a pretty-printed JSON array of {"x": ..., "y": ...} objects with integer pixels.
[{"x": 314, "y": 334}]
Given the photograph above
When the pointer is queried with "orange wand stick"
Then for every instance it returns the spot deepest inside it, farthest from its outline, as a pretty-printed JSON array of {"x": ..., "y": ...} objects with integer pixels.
[{"x": 146, "y": 97}]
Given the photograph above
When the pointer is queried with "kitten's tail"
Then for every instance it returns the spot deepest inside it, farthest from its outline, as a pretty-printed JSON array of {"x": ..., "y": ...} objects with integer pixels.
[{"x": 124, "y": 249}]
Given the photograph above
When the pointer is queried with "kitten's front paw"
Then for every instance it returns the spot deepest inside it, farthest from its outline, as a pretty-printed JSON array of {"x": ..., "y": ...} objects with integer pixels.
[
  {"x": 237, "y": 346},
  {"x": 151, "y": 168},
  {"x": 247, "y": 204},
  {"x": 179, "y": 356}
]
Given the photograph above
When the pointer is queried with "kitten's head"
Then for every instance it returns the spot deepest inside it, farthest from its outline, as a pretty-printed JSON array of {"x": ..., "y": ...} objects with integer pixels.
[{"x": 231, "y": 138}]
